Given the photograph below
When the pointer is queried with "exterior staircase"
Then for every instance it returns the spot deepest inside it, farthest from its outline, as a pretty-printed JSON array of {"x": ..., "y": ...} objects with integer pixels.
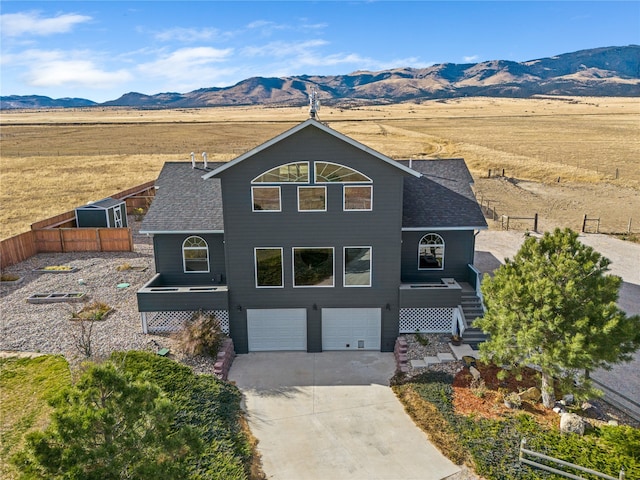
[{"x": 472, "y": 309}]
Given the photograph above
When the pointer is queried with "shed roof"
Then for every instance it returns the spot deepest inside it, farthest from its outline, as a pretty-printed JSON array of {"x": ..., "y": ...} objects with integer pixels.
[
  {"x": 441, "y": 198},
  {"x": 101, "y": 204},
  {"x": 306, "y": 124},
  {"x": 185, "y": 203}
]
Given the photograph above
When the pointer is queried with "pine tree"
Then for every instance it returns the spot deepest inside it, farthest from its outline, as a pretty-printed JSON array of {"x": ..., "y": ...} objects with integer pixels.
[
  {"x": 554, "y": 306},
  {"x": 109, "y": 427}
]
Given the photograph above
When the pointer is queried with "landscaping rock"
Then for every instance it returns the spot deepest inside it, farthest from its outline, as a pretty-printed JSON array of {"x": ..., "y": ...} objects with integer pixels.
[
  {"x": 475, "y": 373},
  {"x": 592, "y": 410},
  {"x": 532, "y": 394},
  {"x": 571, "y": 423},
  {"x": 568, "y": 399},
  {"x": 559, "y": 410}
]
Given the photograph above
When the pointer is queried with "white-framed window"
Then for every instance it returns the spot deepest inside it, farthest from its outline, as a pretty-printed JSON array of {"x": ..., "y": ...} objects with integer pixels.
[
  {"x": 357, "y": 267},
  {"x": 431, "y": 252},
  {"x": 358, "y": 197},
  {"x": 329, "y": 172},
  {"x": 295, "y": 172},
  {"x": 268, "y": 267},
  {"x": 313, "y": 267},
  {"x": 195, "y": 255},
  {"x": 312, "y": 199},
  {"x": 266, "y": 199}
]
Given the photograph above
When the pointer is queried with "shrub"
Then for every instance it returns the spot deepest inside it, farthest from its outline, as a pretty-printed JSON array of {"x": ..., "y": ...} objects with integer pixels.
[
  {"x": 93, "y": 311},
  {"x": 201, "y": 334},
  {"x": 209, "y": 405},
  {"x": 7, "y": 277}
]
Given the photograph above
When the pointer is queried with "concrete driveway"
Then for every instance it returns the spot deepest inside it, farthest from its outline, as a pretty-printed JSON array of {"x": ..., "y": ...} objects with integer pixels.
[{"x": 332, "y": 416}]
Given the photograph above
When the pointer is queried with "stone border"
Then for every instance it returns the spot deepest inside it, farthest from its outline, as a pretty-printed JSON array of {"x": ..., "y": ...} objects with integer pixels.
[{"x": 224, "y": 359}]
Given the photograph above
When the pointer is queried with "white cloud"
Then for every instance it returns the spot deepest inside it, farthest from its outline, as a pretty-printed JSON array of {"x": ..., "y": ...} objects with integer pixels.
[
  {"x": 51, "y": 68},
  {"x": 188, "y": 34},
  {"x": 470, "y": 58},
  {"x": 190, "y": 68},
  {"x": 32, "y": 24}
]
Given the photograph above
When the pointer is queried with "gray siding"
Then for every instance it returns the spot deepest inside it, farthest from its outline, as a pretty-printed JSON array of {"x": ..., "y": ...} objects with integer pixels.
[
  {"x": 458, "y": 253},
  {"x": 380, "y": 229},
  {"x": 168, "y": 256}
]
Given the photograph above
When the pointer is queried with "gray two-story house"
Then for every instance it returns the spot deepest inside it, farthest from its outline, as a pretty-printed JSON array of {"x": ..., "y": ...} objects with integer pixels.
[{"x": 313, "y": 241}]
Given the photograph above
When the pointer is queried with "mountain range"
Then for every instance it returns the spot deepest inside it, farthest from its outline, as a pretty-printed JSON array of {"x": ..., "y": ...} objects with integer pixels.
[{"x": 606, "y": 71}]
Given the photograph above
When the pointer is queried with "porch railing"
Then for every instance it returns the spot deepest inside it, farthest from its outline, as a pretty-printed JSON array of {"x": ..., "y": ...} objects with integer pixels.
[{"x": 524, "y": 451}]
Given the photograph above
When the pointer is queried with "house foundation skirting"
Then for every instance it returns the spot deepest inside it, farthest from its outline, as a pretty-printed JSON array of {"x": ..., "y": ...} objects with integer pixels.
[
  {"x": 166, "y": 322},
  {"x": 427, "y": 320}
]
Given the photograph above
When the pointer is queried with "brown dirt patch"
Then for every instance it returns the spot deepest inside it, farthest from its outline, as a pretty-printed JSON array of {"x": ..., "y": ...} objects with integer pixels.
[{"x": 468, "y": 401}]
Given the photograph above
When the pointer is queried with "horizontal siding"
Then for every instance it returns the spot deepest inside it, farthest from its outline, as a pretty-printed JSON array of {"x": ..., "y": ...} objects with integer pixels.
[
  {"x": 379, "y": 229},
  {"x": 458, "y": 254}
]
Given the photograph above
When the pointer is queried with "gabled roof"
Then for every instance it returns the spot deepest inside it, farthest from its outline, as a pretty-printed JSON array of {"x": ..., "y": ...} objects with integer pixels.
[
  {"x": 185, "y": 203},
  {"x": 441, "y": 198},
  {"x": 310, "y": 123}
]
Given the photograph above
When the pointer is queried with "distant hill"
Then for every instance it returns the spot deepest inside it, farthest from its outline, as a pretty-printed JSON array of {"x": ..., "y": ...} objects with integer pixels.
[
  {"x": 39, "y": 101},
  {"x": 607, "y": 71}
]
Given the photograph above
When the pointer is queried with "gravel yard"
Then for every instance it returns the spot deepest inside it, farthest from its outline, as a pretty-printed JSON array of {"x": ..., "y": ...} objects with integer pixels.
[{"x": 48, "y": 327}]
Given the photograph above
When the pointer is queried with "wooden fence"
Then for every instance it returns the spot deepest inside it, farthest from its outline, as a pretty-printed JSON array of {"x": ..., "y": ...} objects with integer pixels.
[{"x": 58, "y": 234}]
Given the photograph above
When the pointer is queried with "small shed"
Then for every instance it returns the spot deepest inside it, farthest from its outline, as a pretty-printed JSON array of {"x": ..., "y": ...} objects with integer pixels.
[{"x": 108, "y": 212}]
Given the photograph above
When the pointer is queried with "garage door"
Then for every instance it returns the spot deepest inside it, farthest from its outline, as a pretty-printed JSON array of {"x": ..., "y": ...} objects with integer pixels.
[
  {"x": 277, "y": 329},
  {"x": 351, "y": 328}
]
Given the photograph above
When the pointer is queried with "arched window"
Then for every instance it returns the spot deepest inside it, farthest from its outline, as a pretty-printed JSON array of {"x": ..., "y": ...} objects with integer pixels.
[
  {"x": 296, "y": 172},
  {"x": 195, "y": 255},
  {"x": 431, "y": 252}
]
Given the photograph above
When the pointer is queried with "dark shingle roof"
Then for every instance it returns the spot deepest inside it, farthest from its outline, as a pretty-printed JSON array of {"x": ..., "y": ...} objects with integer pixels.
[
  {"x": 185, "y": 202},
  {"x": 442, "y": 197},
  {"x": 104, "y": 203}
]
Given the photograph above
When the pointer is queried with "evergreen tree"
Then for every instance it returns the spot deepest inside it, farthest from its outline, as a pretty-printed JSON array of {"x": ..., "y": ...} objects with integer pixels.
[
  {"x": 109, "y": 427},
  {"x": 553, "y": 306}
]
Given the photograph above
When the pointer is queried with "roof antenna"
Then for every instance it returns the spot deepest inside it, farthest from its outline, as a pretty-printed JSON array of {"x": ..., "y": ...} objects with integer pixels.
[{"x": 314, "y": 105}]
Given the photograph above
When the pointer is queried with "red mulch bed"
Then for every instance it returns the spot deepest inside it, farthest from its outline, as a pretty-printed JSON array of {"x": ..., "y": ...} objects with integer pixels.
[{"x": 466, "y": 401}]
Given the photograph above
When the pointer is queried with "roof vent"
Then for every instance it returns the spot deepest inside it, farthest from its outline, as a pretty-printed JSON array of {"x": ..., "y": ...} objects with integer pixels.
[
  {"x": 193, "y": 160},
  {"x": 204, "y": 159}
]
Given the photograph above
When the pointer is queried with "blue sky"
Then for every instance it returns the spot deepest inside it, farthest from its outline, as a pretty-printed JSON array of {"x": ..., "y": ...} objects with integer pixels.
[{"x": 102, "y": 49}]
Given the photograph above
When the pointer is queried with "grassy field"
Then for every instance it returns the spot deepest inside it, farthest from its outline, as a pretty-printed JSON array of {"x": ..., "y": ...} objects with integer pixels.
[
  {"x": 52, "y": 161},
  {"x": 26, "y": 384}
]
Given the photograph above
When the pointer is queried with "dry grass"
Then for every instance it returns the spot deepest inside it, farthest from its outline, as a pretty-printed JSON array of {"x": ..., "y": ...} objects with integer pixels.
[{"x": 52, "y": 161}]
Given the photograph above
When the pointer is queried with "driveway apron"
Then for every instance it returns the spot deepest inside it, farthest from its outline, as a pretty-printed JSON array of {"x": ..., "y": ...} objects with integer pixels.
[{"x": 332, "y": 416}]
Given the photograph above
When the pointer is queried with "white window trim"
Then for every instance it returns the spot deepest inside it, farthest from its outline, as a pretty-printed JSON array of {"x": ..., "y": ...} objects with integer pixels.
[
  {"x": 293, "y": 267},
  {"x": 361, "y": 182},
  {"x": 255, "y": 182},
  {"x": 344, "y": 198},
  {"x": 344, "y": 266},
  {"x": 253, "y": 203},
  {"x": 255, "y": 267},
  {"x": 443, "y": 253},
  {"x": 302, "y": 187},
  {"x": 184, "y": 260}
]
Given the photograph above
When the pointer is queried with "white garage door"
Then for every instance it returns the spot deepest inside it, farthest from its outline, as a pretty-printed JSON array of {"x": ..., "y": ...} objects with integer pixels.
[
  {"x": 351, "y": 328},
  {"x": 277, "y": 329}
]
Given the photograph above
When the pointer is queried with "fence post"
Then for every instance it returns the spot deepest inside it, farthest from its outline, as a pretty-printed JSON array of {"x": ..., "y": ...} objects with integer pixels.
[
  {"x": 629, "y": 226},
  {"x": 490, "y": 174},
  {"x": 535, "y": 223},
  {"x": 584, "y": 222},
  {"x": 621, "y": 477}
]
